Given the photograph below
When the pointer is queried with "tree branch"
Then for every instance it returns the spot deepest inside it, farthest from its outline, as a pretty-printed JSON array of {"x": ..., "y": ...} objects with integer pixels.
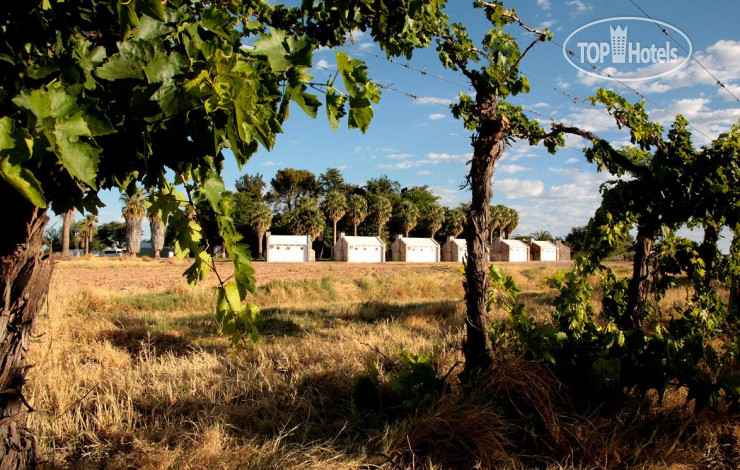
[
  {"x": 513, "y": 18},
  {"x": 621, "y": 160}
]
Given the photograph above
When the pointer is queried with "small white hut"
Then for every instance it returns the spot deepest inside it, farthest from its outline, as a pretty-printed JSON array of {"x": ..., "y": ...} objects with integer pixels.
[
  {"x": 288, "y": 249},
  {"x": 509, "y": 250},
  {"x": 456, "y": 249},
  {"x": 543, "y": 251},
  {"x": 359, "y": 249},
  {"x": 415, "y": 250}
]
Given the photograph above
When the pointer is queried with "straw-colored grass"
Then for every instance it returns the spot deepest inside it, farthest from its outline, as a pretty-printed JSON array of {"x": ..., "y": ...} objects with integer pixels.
[{"x": 138, "y": 378}]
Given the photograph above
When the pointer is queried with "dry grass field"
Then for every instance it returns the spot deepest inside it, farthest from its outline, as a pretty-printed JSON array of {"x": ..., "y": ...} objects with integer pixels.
[{"x": 130, "y": 373}]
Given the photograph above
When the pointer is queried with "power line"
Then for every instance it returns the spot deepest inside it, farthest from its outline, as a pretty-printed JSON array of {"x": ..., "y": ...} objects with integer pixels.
[{"x": 667, "y": 33}]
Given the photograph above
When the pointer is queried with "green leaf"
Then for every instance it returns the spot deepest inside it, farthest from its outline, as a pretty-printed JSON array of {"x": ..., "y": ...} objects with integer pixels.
[
  {"x": 132, "y": 58},
  {"x": 284, "y": 51},
  {"x": 16, "y": 147},
  {"x": 335, "y": 107},
  {"x": 152, "y": 8}
]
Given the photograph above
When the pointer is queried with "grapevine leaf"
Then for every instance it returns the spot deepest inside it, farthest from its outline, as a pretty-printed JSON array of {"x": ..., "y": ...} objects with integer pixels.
[{"x": 16, "y": 148}]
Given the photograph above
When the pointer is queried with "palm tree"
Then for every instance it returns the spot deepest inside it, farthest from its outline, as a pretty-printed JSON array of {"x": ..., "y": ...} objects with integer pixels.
[
  {"x": 134, "y": 211},
  {"x": 67, "y": 219},
  {"x": 87, "y": 230},
  {"x": 455, "y": 222},
  {"x": 512, "y": 221},
  {"x": 381, "y": 210},
  {"x": 356, "y": 209},
  {"x": 409, "y": 216},
  {"x": 434, "y": 217},
  {"x": 335, "y": 206},
  {"x": 496, "y": 220},
  {"x": 260, "y": 218},
  {"x": 307, "y": 218},
  {"x": 542, "y": 235}
]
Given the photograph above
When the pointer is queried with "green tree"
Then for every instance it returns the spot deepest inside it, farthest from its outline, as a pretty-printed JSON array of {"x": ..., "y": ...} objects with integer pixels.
[
  {"x": 260, "y": 218},
  {"x": 251, "y": 185},
  {"x": 511, "y": 221},
  {"x": 332, "y": 180},
  {"x": 334, "y": 206},
  {"x": 409, "y": 215},
  {"x": 112, "y": 234},
  {"x": 290, "y": 186},
  {"x": 434, "y": 217},
  {"x": 134, "y": 211},
  {"x": 356, "y": 210},
  {"x": 381, "y": 210},
  {"x": 102, "y": 94},
  {"x": 454, "y": 223},
  {"x": 307, "y": 219},
  {"x": 87, "y": 230}
]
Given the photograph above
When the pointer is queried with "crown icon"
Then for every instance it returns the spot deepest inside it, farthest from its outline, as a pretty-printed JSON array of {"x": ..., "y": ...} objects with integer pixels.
[{"x": 619, "y": 43}]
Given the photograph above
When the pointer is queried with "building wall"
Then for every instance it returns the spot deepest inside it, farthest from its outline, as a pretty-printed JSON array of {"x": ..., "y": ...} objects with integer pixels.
[
  {"x": 366, "y": 254},
  {"x": 277, "y": 252},
  {"x": 401, "y": 251}
]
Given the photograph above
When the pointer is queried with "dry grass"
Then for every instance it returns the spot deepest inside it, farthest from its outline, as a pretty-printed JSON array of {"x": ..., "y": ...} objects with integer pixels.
[{"x": 137, "y": 378}]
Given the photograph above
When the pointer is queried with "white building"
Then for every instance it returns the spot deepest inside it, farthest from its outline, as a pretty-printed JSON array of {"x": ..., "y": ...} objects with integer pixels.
[
  {"x": 359, "y": 249},
  {"x": 415, "y": 250},
  {"x": 509, "y": 250},
  {"x": 543, "y": 251},
  {"x": 288, "y": 249},
  {"x": 456, "y": 249}
]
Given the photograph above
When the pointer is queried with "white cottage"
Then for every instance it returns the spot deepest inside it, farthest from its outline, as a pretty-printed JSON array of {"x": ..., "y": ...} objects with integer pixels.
[
  {"x": 509, "y": 250},
  {"x": 359, "y": 249},
  {"x": 456, "y": 249},
  {"x": 288, "y": 249},
  {"x": 543, "y": 251},
  {"x": 415, "y": 250}
]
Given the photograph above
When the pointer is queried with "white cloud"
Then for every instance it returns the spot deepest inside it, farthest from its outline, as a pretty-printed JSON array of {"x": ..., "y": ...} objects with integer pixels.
[
  {"x": 540, "y": 104},
  {"x": 514, "y": 188},
  {"x": 545, "y": 4},
  {"x": 710, "y": 121},
  {"x": 342, "y": 167},
  {"x": 433, "y": 100},
  {"x": 547, "y": 24},
  {"x": 571, "y": 161},
  {"x": 511, "y": 169},
  {"x": 579, "y": 6},
  {"x": 431, "y": 159},
  {"x": 436, "y": 116},
  {"x": 424, "y": 172},
  {"x": 722, "y": 58},
  {"x": 400, "y": 156},
  {"x": 323, "y": 64},
  {"x": 268, "y": 163},
  {"x": 449, "y": 196}
]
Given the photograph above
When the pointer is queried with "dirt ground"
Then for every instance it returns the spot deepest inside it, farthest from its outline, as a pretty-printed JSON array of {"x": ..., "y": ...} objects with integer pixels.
[{"x": 161, "y": 274}]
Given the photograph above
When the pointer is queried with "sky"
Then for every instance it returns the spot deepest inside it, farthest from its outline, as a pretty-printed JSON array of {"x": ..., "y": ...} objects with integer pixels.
[{"x": 415, "y": 140}]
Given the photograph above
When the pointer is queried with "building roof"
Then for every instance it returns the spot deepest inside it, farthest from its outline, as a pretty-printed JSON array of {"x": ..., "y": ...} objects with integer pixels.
[
  {"x": 545, "y": 245},
  {"x": 461, "y": 242},
  {"x": 288, "y": 239},
  {"x": 514, "y": 244},
  {"x": 363, "y": 241},
  {"x": 419, "y": 241}
]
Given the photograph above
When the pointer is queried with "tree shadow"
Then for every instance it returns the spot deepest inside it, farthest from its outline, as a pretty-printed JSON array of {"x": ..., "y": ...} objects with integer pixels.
[{"x": 136, "y": 336}]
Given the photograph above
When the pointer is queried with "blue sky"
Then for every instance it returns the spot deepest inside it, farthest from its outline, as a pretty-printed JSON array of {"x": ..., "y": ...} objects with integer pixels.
[{"x": 417, "y": 142}]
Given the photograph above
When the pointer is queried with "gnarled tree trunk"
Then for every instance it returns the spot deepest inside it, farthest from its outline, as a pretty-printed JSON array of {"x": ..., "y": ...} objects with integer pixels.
[
  {"x": 638, "y": 290},
  {"x": 25, "y": 282},
  {"x": 488, "y": 147}
]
